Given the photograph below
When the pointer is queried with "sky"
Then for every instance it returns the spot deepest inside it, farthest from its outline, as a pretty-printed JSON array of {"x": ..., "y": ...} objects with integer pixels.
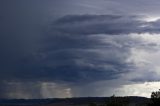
[{"x": 79, "y": 48}]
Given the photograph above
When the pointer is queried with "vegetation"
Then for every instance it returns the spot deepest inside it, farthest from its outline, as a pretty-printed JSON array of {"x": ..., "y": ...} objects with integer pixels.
[
  {"x": 90, "y": 101},
  {"x": 124, "y": 101},
  {"x": 155, "y": 99},
  {"x": 92, "y": 104},
  {"x": 114, "y": 101}
]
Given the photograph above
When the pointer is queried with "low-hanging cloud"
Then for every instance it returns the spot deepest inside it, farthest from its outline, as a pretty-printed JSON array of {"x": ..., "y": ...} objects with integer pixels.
[
  {"x": 103, "y": 24},
  {"x": 82, "y": 49}
]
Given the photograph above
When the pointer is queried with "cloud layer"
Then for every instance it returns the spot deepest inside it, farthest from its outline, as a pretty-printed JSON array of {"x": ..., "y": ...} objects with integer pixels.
[
  {"x": 85, "y": 48},
  {"x": 80, "y": 50}
]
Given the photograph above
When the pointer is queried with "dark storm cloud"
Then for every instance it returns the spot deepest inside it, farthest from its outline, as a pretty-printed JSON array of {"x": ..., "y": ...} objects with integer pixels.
[
  {"x": 69, "y": 57},
  {"x": 85, "y": 56},
  {"x": 86, "y": 48},
  {"x": 96, "y": 24},
  {"x": 74, "y": 49},
  {"x": 80, "y": 48},
  {"x": 103, "y": 24}
]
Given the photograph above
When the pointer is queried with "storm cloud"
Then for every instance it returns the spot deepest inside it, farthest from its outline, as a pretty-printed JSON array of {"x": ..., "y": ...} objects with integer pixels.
[
  {"x": 104, "y": 24},
  {"x": 61, "y": 52},
  {"x": 99, "y": 53},
  {"x": 87, "y": 56}
]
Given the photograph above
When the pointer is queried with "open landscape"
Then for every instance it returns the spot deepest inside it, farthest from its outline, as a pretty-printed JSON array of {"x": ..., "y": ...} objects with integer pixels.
[
  {"x": 79, "y": 52},
  {"x": 85, "y": 101}
]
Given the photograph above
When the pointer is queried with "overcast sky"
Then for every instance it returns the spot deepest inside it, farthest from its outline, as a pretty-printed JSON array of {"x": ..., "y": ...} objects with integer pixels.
[{"x": 75, "y": 48}]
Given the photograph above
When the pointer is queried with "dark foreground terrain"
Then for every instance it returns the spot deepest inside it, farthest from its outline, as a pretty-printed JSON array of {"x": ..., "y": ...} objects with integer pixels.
[{"x": 86, "y": 101}]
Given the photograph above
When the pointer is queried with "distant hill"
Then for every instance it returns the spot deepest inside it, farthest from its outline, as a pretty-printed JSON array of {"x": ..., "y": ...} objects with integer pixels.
[{"x": 82, "y": 101}]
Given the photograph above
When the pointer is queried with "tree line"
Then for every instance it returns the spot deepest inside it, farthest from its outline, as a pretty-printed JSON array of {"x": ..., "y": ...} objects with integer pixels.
[{"x": 125, "y": 101}]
